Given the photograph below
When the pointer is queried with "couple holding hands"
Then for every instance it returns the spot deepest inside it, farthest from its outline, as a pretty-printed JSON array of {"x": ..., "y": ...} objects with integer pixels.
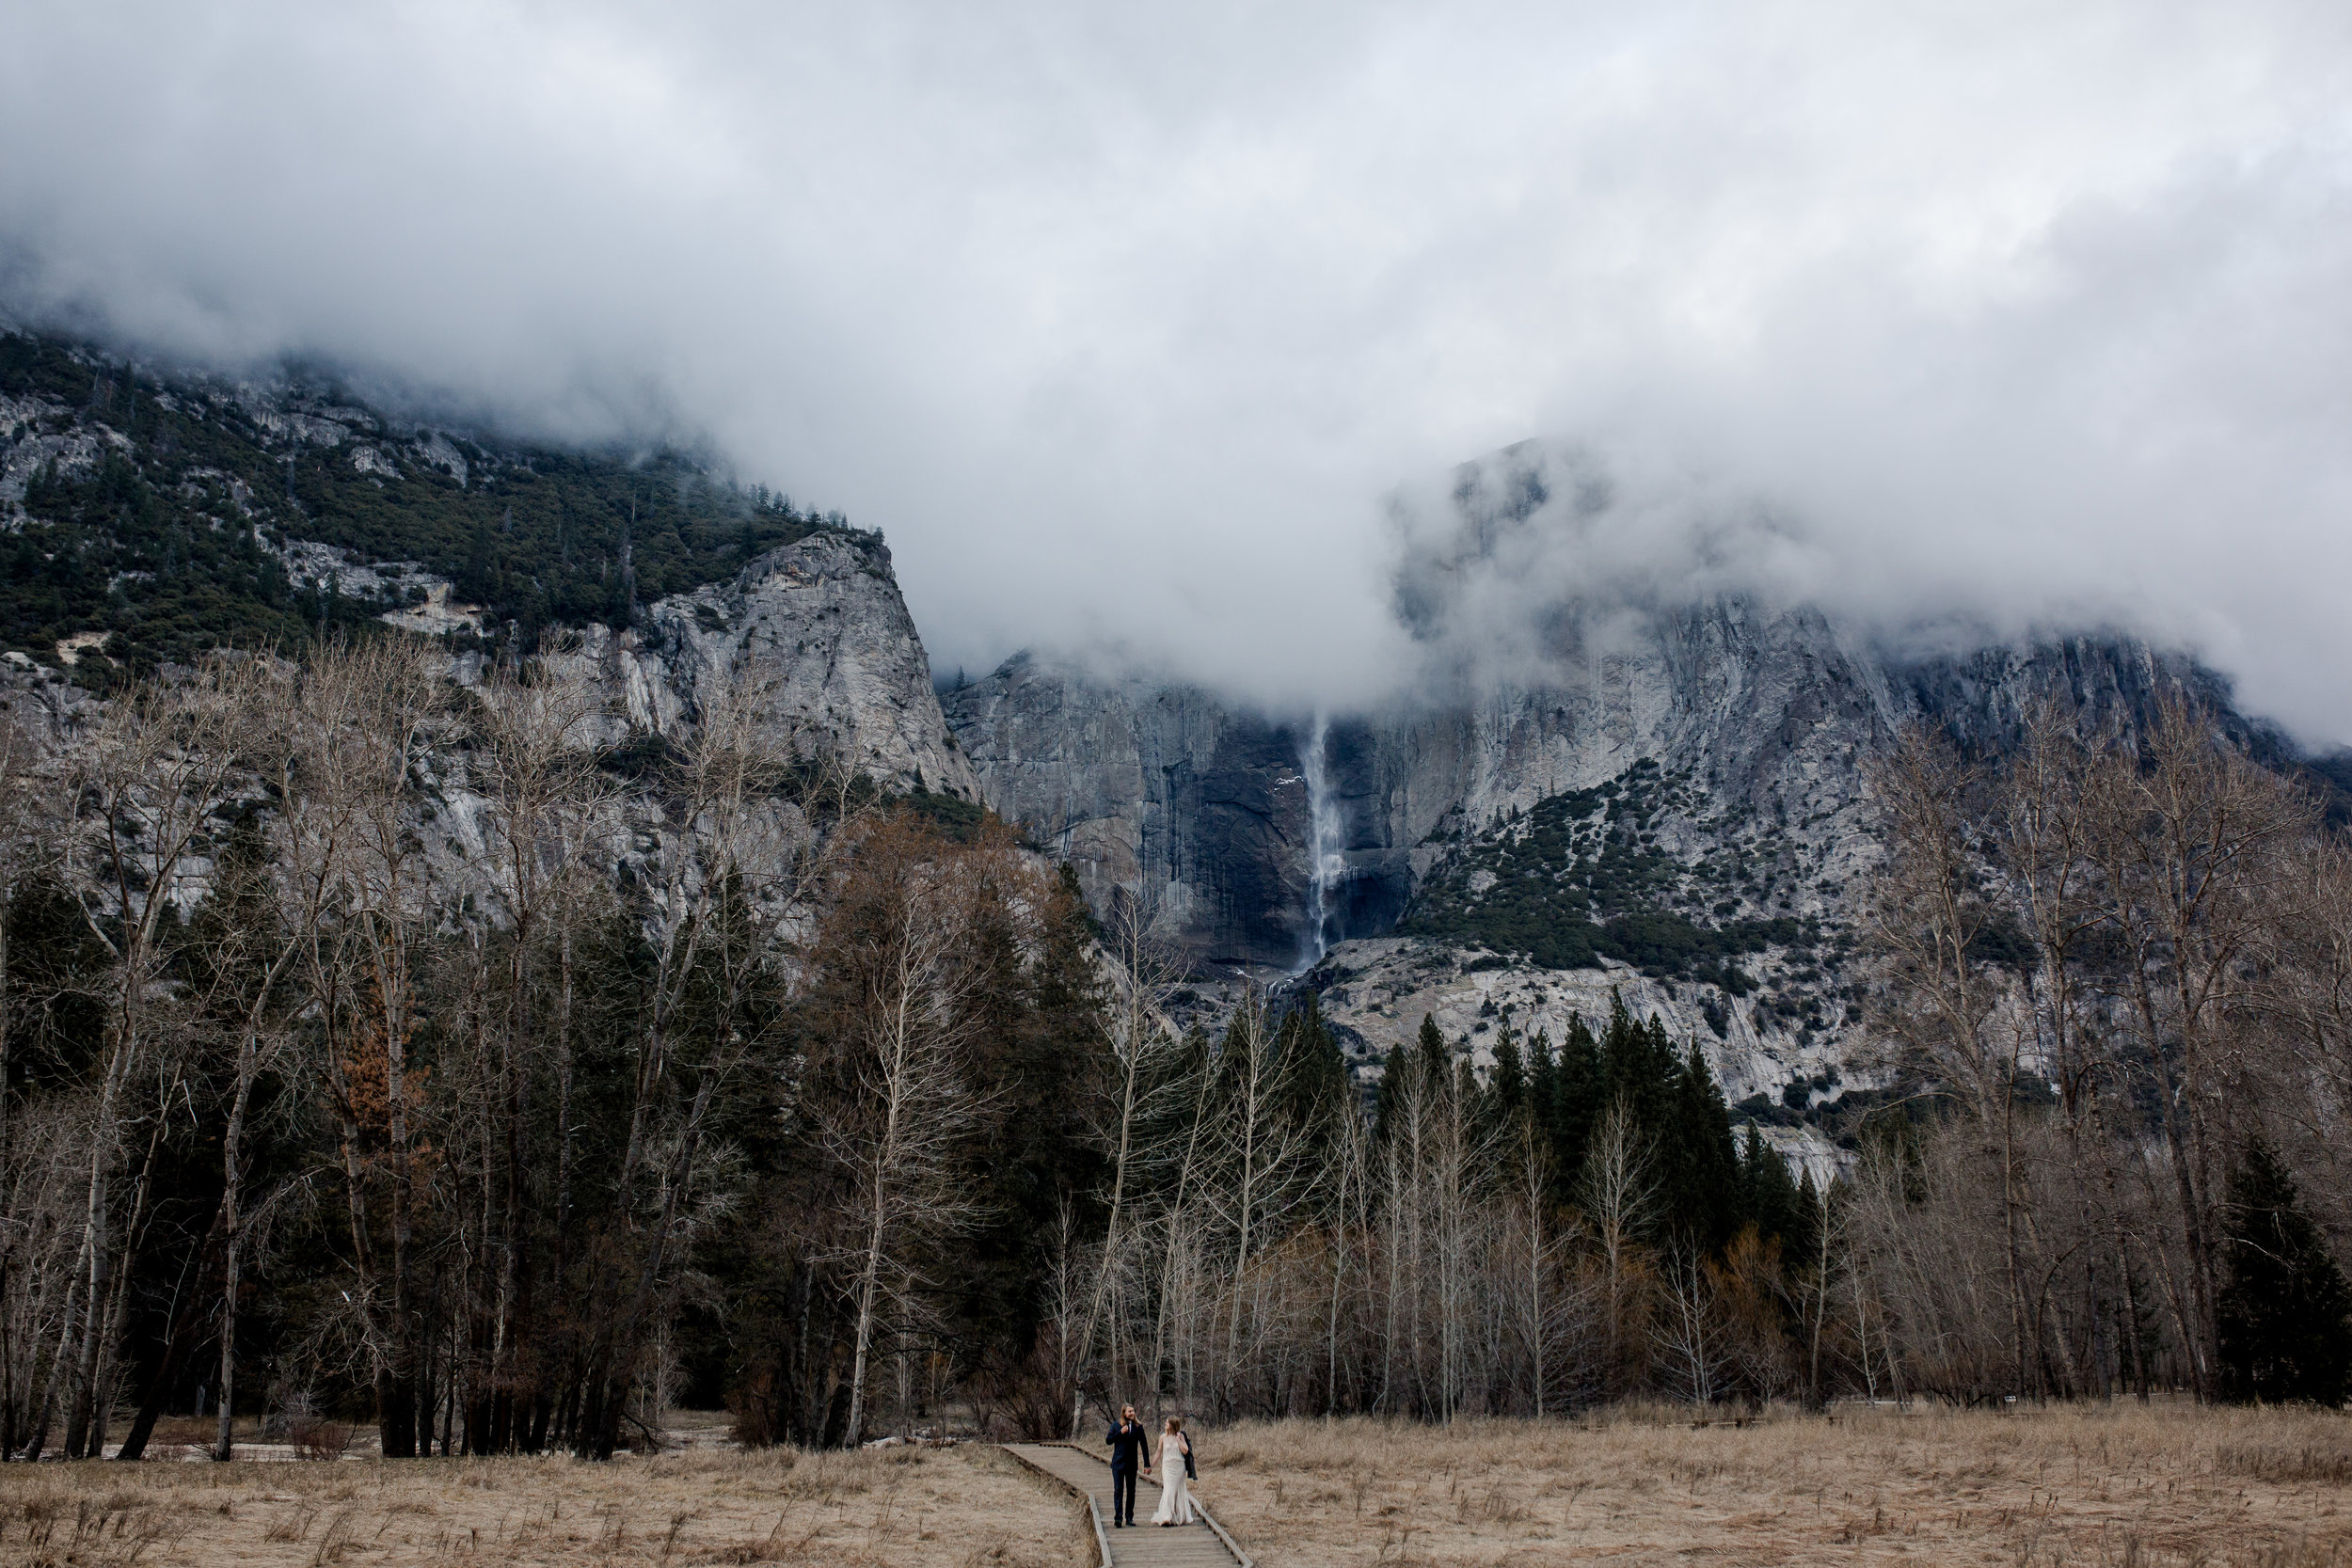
[{"x": 1130, "y": 1449}]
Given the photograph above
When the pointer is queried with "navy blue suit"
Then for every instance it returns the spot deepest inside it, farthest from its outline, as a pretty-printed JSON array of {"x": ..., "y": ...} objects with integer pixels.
[{"x": 1130, "y": 1444}]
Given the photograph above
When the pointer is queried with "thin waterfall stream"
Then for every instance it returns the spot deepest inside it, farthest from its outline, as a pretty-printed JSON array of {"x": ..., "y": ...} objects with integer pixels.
[{"x": 1327, "y": 861}]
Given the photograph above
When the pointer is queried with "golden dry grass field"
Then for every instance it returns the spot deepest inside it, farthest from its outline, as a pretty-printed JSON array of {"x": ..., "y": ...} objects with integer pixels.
[
  {"x": 2118, "y": 1485},
  {"x": 941, "y": 1508},
  {"x": 2148, "y": 1487}
]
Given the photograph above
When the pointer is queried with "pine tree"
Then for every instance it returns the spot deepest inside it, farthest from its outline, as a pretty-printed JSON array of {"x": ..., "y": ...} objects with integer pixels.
[
  {"x": 1702, "y": 1173},
  {"x": 1768, "y": 1196},
  {"x": 1436, "y": 1058},
  {"x": 1508, "y": 1088},
  {"x": 1324, "y": 1065},
  {"x": 1316, "y": 1070},
  {"x": 1429, "y": 1064},
  {"x": 1543, "y": 1108},
  {"x": 1503, "y": 1100},
  {"x": 1640, "y": 1066},
  {"x": 1580, "y": 1100},
  {"x": 1803, "y": 1238},
  {"x": 2285, "y": 1315}
]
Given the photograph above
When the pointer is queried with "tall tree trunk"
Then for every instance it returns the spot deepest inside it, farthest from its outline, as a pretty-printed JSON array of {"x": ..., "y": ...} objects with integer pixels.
[
  {"x": 543, "y": 1404},
  {"x": 397, "y": 1420},
  {"x": 869, "y": 1275},
  {"x": 232, "y": 1212},
  {"x": 98, "y": 1221},
  {"x": 60, "y": 1359},
  {"x": 178, "y": 1339}
]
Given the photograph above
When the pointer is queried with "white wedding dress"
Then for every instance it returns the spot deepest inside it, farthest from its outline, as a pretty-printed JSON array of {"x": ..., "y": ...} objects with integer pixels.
[{"x": 1175, "y": 1499}]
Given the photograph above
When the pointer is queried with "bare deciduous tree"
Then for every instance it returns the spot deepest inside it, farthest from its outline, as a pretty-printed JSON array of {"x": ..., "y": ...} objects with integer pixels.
[{"x": 897, "y": 942}]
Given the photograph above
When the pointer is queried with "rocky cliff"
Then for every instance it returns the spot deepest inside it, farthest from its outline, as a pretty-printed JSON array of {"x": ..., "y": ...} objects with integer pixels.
[
  {"x": 1666, "y": 797},
  {"x": 155, "y": 514},
  {"x": 821, "y": 626},
  {"x": 1161, "y": 791},
  {"x": 1208, "y": 808}
]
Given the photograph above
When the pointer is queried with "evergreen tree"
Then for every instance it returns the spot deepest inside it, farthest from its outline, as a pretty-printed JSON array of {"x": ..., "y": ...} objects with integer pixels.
[
  {"x": 1768, "y": 1196},
  {"x": 1503, "y": 1100},
  {"x": 1466, "y": 1090},
  {"x": 1436, "y": 1058},
  {"x": 1543, "y": 1108},
  {"x": 1577, "y": 1105},
  {"x": 1170, "y": 1094},
  {"x": 2285, "y": 1315},
  {"x": 1702, "y": 1168},
  {"x": 1639, "y": 1065},
  {"x": 1802, "y": 1245},
  {"x": 1508, "y": 1088},
  {"x": 1315, "y": 1069},
  {"x": 1424, "y": 1062}
]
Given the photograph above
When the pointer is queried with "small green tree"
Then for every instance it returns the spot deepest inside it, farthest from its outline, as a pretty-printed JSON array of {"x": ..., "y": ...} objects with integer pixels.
[{"x": 2285, "y": 1316}]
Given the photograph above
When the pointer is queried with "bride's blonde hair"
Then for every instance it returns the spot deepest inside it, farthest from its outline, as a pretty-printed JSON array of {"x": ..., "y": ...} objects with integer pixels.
[{"x": 1175, "y": 1423}]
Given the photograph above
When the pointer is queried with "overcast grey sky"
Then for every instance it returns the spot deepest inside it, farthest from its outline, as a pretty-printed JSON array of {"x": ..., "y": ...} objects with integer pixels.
[{"x": 1124, "y": 321}]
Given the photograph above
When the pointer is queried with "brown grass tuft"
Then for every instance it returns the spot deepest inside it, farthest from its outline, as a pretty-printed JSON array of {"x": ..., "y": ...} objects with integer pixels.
[
  {"x": 889, "y": 1509},
  {"x": 2153, "y": 1487}
]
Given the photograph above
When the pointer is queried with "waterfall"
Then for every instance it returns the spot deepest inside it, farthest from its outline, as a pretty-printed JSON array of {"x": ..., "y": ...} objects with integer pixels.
[{"x": 1326, "y": 863}]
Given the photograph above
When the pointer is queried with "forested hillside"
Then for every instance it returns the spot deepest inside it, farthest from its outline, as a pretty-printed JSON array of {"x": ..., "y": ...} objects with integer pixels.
[
  {"x": 382, "y": 1050},
  {"x": 157, "y": 509}
]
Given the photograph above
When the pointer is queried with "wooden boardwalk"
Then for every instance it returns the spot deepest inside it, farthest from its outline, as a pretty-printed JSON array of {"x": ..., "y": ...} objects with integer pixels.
[{"x": 1201, "y": 1545}]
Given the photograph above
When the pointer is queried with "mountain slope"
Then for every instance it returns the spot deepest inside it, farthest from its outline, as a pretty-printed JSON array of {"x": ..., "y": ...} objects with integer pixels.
[
  {"x": 145, "y": 518},
  {"x": 1661, "y": 797},
  {"x": 158, "y": 511}
]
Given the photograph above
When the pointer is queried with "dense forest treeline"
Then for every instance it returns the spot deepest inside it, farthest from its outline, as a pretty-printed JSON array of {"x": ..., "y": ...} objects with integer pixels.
[
  {"x": 377, "y": 1049},
  {"x": 156, "y": 510}
]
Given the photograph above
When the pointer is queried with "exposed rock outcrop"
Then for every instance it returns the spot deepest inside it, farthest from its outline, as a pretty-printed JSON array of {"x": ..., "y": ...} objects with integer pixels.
[
  {"x": 1201, "y": 805},
  {"x": 820, "y": 622},
  {"x": 1736, "y": 743},
  {"x": 1163, "y": 791}
]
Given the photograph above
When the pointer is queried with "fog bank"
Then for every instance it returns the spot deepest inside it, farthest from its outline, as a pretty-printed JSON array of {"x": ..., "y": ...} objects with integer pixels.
[{"x": 1129, "y": 326}]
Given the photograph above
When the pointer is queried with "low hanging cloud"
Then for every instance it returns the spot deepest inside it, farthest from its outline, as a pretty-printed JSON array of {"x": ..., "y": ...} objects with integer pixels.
[{"x": 1125, "y": 326}]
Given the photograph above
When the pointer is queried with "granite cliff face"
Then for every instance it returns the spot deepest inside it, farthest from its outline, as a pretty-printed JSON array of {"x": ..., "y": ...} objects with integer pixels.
[
  {"x": 1206, "y": 807},
  {"x": 821, "y": 621},
  {"x": 1711, "y": 772},
  {"x": 1163, "y": 791},
  {"x": 1679, "y": 786},
  {"x": 205, "y": 509}
]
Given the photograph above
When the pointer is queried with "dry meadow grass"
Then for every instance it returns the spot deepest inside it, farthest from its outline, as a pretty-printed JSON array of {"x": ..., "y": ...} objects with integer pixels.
[
  {"x": 2118, "y": 1485},
  {"x": 942, "y": 1508},
  {"x": 2145, "y": 1487}
]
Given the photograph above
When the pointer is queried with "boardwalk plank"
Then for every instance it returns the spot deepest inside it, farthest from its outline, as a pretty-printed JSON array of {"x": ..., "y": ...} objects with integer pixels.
[{"x": 1147, "y": 1545}]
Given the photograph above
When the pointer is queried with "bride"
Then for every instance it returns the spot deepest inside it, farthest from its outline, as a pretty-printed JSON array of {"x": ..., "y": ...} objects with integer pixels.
[{"x": 1175, "y": 1499}]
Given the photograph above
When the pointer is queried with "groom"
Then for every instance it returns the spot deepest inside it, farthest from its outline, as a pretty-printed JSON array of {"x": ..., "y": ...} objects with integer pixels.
[{"x": 1130, "y": 1453}]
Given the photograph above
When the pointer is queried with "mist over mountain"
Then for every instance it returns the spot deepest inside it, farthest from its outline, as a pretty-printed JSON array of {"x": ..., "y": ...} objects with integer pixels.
[
  {"x": 1125, "y": 331},
  {"x": 1631, "y": 769},
  {"x": 1557, "y": 653},
  {"x": 1566, "y": 704}
]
